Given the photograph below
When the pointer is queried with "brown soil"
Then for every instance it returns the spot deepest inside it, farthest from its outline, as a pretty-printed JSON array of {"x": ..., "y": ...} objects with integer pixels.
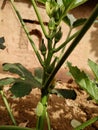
[{"x": 61, "y": 111}]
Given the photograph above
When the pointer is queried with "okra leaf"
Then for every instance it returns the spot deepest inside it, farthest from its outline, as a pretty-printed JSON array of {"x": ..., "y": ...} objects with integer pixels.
[
  {"x": 2, "y": 40},
  {"x": 17, "y": 68},
  {"x": 79, "y": 22},
  {"x": 20, "y": 89},
  {"x": 25, "y": 74},
  {"x": 84, "y": 81},
  {"x": 94, "y": 68},
  {"x": 6, "y": 81},
  {"x": 66, "y": 93}
]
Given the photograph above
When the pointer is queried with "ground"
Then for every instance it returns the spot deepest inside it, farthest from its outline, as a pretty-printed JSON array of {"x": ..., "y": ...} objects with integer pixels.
[{"x": 61, "y": 111}]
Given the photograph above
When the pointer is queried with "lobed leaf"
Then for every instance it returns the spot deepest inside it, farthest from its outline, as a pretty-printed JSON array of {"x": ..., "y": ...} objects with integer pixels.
[{"x": 84, "y": 82}]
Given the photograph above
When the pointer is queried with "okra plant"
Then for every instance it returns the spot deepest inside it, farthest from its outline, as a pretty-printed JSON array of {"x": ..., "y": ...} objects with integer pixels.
[{"x": 44, "y": 78}]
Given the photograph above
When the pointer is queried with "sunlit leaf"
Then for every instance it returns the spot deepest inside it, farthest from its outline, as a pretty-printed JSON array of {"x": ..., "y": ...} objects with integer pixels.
[
  {"x": 84, "y": 81},
  {"x": 94, "y": 68}
]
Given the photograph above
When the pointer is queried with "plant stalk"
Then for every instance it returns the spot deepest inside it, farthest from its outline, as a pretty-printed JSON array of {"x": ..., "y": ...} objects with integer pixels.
[
  {"x": 41, "y": 119},
  {"x": 27, "y": 33},
  {"x": 8, "y": 107},
  {"x": 39, "y": 18},
  {"x": 75, "y": 42}
]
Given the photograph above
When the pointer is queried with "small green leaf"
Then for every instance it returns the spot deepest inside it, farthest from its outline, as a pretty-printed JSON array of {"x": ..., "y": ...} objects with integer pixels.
[
  {"x": 6, "y": 81},
  {"x": 66, "y": 93},
  {"x": 79, "y": 22},
  {"x": 39, "y": 109},
  {"x": 20, "y": 89},
  {"x": 94, "y": 68}
]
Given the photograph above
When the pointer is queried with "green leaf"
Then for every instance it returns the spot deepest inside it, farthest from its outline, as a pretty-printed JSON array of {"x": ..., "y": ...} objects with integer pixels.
[
  {"x": 6, "y": 81},
  {"x": 67, "y": 21},
  {"x": 66, "y": 93},
  {"x": 94, "y": 68},
  {"x": 78, "y": 3},
  {"x": 2, "y": 40},
  {"x": 79, "y": 22},
  {"x": 10, "y": 127},
  {"x": 84, "y": 82},
  {"x": 20, "y": 89},
  {"x": 24, "y": 84},
  {"x": 87, "y": 123},
  {"x": 17, "y": 68}
]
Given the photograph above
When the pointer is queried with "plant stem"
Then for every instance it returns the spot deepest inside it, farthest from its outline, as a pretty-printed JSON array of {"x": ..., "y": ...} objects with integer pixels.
[
  {"x": 87, "y": 123},
  {"x": 8, "y": 107},
  {"x": 39, "y": 18},
  {"x": 41, "y": 119},
  {"x": 27, "y": 33},
  {"x": 48, "y": 121},
  {"x": 75, "y": 42}
]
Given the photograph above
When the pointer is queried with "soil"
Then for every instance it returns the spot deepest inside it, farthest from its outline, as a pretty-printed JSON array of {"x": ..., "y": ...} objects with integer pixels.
[{"x": 61, "y": 111}]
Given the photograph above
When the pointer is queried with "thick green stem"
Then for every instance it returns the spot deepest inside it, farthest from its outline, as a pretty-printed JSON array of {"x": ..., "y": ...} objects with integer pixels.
[
  {"x": 8, "y": 107},
  {"x": 39, "y": 18},
  {"x": 27, "y": 33},
  {"x": 73, "y": 45},
  {"x": 41, "y": 119}
]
